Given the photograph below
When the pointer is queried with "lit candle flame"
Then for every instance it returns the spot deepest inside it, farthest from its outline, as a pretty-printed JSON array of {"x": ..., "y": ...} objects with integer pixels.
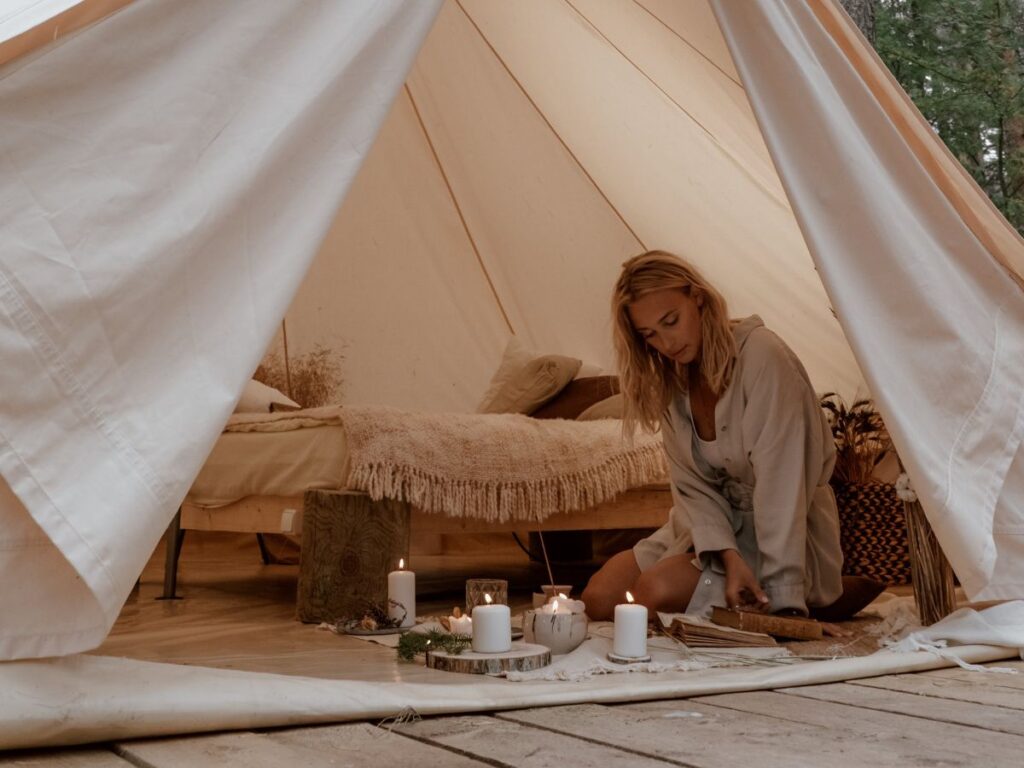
[
  {"x": 554, "y": 604},
  {"x": 401, "y": 563},
  {"x": 487, "y": 599},
  {"x": 629, "y": 598},
  {"x": 563, "y": 595}
]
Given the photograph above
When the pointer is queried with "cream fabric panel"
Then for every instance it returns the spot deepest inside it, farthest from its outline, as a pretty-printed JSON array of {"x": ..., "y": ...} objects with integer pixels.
[
  {"x": 159, "y": 204},
  {"x": 935, "y": 320},
  {"x": 674, "y": 184},
  {"x": 397, "y": 289},
  {"x": 550, "y": 242},
  {"x": 712, "y": 100},
  {"x": 694, "y": 22}
]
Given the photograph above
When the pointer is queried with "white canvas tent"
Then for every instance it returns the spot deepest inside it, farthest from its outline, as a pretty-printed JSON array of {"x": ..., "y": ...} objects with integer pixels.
[{"x": 173, "y": 170}]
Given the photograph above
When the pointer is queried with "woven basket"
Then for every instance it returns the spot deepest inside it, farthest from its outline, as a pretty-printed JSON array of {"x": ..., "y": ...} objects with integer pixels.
[{"x": 873, "y": 532}]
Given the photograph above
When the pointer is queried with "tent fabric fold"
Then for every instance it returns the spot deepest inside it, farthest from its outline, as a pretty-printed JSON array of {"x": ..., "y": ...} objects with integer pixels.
[
  {"x": 179, "y": 176},
  {"x": 159, "y": 205},
  {"x": 934, "y": 317}
]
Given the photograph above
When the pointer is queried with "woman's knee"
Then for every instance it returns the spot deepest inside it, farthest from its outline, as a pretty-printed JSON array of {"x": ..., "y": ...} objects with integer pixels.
[
  {"x": 651, "y": 591},
  {"x": 607, "y": 587},
  {"x": 658, "y": 593}
]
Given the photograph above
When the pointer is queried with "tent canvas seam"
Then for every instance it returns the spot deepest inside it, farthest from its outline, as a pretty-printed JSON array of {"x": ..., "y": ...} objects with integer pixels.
[
  {"x": 783, "y": 202},
  {"x": 458, "y": 208},
  {"x": 687, "y": 42},
  {"x": 25, "y": 482},
  {"x": 547, "y": 122},
  {"x": 54, "y": 363}
]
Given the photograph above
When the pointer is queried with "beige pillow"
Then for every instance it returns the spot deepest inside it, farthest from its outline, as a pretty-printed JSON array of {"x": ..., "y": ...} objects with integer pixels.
[
  {"x": 525, "y": 381},
  {"x": 609, "y": 408},
  {"x": 259, "y": 398}
]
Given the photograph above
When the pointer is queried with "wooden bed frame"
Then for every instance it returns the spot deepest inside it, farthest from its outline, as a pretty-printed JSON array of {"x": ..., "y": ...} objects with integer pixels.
[{"x": 647, "y": 506}]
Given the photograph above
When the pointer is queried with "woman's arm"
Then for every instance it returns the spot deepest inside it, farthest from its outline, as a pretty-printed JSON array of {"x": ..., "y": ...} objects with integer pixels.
[
  {"x": 784, "y": 434},
  {"x": 704, "y": 509},
  {"x": 742, "y": 589}
]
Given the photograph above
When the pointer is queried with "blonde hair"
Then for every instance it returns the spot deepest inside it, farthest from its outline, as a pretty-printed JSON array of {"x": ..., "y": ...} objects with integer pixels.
[{"x": 649, "y": 380}]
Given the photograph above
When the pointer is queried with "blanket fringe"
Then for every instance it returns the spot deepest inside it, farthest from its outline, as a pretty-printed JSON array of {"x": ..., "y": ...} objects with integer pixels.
[{"x": 505, "y": 501}]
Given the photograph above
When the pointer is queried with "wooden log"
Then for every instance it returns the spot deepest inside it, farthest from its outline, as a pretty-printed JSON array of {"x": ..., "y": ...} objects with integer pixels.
[
  {"x": 523, "y": 657},
  {"x": 349, "y": 544}
]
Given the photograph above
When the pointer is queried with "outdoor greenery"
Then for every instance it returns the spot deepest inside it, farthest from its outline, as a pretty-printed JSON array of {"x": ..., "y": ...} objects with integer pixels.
[{"x": 962, "y": 62}]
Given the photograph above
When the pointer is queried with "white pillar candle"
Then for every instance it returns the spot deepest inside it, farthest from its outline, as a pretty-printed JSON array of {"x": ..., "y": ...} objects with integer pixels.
[
  {"x": 630, "y": 629},
  {"x": 402, "y": 590},
  {"x": 460, "y": 625},
  {"x": 492, "y": 628}
]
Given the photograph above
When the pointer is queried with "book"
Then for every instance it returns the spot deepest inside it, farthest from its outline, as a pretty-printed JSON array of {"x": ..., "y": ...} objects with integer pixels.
[
  {"x": 792, "y": 627},
  {"x": 698, "y": 632}
]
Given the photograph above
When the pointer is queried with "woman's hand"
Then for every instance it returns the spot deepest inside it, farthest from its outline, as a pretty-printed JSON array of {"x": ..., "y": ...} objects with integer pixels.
[{"x": 742, "y": 590}]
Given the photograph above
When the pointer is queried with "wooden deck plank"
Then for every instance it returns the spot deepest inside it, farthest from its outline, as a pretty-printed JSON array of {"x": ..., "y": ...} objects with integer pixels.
[
  {"x": 987, "y": 688},
  {"x": 508, "y": 743},
  {"x": 941, "y": 710},
  {"x": 362, "y": 744},
  {"x": 66, "y": 758},
  {"x": 911, "y": 738},
  {"x": 695, "y": 733},
  {"x": 252, "y": 750}
]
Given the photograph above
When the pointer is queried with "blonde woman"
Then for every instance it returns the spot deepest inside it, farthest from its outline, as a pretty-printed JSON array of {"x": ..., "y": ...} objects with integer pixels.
[{"x": 754, "y": 521}]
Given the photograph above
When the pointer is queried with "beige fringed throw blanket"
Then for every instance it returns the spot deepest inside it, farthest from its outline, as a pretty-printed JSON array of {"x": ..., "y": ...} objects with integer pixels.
[{"x": 496, "y": 467}]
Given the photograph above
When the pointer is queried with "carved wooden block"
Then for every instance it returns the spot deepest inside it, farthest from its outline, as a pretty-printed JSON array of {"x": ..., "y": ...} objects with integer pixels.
[{"x": 349, "y": 544}]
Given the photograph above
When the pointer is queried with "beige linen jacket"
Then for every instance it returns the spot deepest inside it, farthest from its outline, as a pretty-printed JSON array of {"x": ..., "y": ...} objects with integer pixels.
[{"x": 773, "y": 502}]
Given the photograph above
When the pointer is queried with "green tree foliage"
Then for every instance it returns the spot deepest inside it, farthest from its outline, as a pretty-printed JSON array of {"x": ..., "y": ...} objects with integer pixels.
[{"x": 962, "y": 62}]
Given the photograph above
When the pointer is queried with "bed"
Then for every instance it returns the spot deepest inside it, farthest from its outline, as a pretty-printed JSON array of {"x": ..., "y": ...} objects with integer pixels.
[{"x": 256, "y": 475}]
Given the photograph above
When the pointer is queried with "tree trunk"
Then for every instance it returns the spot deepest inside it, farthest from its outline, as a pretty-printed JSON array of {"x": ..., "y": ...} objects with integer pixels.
[{"x": 863, "y": 14}]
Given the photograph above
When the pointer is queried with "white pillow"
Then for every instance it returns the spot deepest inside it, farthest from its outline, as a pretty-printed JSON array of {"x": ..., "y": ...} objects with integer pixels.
[
  {"x": 589, "y": 370},
  {"x": 609, "y": 408},
  {"x": 525, "y": 380},
  {"x": 259, "y": 398}
]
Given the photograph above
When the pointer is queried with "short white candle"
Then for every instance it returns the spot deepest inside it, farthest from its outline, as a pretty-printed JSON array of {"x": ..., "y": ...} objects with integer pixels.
[
  {"x": 460, "y": 625},
  {"x": 630, "y": 629},
  {"x": 402, "y": 590},
  {"x": 492, "y": 628}
]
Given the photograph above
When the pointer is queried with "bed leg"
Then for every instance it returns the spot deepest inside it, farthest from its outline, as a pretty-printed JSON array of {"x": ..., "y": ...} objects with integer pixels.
[
  {"x": 175, "y": 535},
  {"x": 264, "y": 553}
]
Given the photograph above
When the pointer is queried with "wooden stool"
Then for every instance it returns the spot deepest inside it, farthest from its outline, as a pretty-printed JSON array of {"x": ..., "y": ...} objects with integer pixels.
[{"x": 349, "y": 544}]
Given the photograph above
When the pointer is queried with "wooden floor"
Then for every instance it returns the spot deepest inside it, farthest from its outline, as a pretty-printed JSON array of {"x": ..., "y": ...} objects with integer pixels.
[{"x": 946, "y": 717}]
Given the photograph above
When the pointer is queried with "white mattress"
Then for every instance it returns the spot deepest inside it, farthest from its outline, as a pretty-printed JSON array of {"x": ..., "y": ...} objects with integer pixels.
[{"x": 271, "y": 464}]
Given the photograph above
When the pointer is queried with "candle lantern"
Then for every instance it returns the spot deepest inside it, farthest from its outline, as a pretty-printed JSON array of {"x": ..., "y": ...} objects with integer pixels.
[{"x": 476, "y": 589}]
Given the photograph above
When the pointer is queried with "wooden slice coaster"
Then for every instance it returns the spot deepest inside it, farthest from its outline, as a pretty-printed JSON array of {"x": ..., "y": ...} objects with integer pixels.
[{"x": 523, "y": 657}]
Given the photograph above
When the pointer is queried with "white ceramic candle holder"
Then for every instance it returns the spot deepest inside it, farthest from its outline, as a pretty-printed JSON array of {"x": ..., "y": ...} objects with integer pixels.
[
  {"x": 561, "y": 632},
  {"x": 547, "y": 591}
]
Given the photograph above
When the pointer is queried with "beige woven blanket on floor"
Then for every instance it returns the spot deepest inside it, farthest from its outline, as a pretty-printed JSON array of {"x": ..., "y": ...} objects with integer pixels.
[{"x": 497, "y": 467}]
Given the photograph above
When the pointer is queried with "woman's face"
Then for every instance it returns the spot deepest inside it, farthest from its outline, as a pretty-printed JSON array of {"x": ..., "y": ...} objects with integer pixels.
[{"x": 669, "y": 321}]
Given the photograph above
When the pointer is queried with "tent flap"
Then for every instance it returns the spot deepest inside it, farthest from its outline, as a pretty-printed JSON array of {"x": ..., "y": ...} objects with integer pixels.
[{"x": 160, "y": 204}]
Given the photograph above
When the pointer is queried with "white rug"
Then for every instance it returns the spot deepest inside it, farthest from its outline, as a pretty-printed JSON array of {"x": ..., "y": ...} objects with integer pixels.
[{"x": 82, "y": 699}]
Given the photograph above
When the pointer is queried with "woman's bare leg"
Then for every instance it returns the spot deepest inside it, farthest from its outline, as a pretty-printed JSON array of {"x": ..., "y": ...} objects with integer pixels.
[
  {"x": 667, "y": 585},
  {"x": 607, "y": 588}
]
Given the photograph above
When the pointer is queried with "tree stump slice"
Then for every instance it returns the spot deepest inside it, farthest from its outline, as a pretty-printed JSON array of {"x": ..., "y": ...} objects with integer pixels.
[
  {"x": 349, "y": 544},
  {"x": 524, "y": 657}
]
